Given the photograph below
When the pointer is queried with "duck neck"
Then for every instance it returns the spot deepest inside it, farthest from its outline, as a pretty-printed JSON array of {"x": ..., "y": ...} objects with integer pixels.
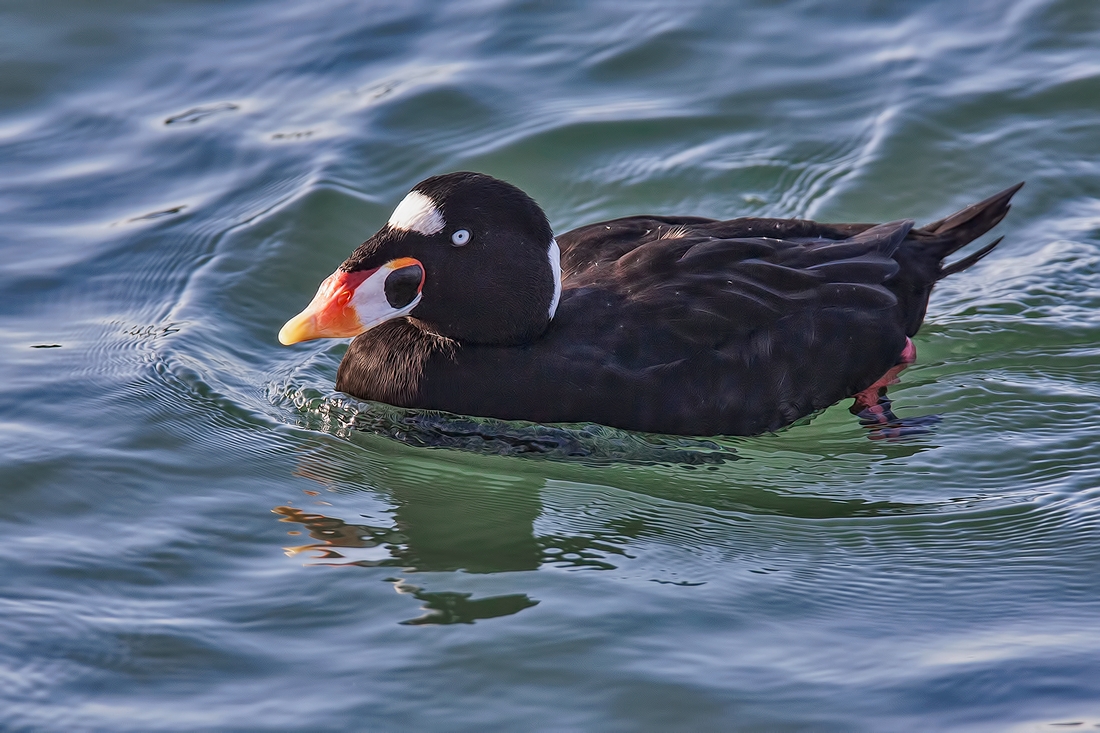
[{"x": 386, "y": 364}]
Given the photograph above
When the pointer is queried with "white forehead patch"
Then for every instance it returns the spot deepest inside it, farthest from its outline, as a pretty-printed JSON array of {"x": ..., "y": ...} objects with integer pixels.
[{"x": 417, "y": 213}]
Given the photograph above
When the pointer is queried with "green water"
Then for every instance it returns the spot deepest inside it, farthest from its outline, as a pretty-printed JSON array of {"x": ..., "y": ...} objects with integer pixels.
[{"x": 197, "y": 537}]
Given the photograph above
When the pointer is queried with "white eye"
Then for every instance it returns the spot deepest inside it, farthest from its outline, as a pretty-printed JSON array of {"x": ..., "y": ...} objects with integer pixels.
[{"x": 460, "y": 237}]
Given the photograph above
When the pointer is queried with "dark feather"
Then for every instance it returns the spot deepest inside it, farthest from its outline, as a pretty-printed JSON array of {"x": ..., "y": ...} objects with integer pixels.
[{"x": 691, "y": 325}]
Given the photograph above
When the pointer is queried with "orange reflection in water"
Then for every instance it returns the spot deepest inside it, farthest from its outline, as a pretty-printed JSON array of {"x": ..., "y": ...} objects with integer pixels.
[{"x": 334, "y": 533}]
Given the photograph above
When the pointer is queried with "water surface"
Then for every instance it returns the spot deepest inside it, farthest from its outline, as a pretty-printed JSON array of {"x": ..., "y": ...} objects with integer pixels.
[{"x": 196, "y": 536}]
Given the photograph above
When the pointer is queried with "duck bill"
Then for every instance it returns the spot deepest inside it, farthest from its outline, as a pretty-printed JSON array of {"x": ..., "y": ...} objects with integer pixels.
[
  {"x": 349, "y": 303},
  {"x": 331, "y": 313}
]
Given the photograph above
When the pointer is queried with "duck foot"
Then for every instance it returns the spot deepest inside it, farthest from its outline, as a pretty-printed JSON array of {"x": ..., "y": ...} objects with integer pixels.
[
  {"x": 875, "y": 410},
  {"x": 909, "y": 427},
  {"x": 871, "y": 397},
  {"x": 883, "y": 424}
]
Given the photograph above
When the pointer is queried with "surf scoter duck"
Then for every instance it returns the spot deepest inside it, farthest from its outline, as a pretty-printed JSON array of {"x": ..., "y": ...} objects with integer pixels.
[{"x": 465, "y": 302}]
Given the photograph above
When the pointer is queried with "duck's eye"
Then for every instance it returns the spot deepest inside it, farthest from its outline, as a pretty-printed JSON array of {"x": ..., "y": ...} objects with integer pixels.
[{"x": 460, "y": 237}]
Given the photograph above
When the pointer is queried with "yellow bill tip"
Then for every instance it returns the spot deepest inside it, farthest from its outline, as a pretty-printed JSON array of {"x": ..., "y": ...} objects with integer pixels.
[{"x": 297, "y": 329}]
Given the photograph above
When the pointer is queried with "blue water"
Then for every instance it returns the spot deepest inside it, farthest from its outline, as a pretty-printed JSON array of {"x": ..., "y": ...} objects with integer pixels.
[{"x": 200, "y": 534}]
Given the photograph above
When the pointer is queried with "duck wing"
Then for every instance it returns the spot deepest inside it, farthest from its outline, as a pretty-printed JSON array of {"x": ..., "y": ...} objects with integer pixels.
[
  {"x": 766, "y": 262},
  {"x": 693, "y": 277}
]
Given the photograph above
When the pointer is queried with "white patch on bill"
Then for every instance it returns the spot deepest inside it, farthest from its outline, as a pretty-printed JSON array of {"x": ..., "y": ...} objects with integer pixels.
[
  {"x": 417, "y": 213},
  {"x": 371, "y": 304},
  {"x": 555, "y": 267}
]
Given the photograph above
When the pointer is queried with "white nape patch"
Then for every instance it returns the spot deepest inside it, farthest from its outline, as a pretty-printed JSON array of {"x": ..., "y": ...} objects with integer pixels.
[
  {"x": 555, "y": 267},
  {"x": 417, "y": 213}
]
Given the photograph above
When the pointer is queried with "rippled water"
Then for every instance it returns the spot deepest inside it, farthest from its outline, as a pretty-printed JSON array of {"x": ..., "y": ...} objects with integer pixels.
[{"x": 197, "y": 536}]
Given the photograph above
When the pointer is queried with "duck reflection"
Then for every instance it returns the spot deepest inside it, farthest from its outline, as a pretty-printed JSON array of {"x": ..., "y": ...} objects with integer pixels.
[
  {"x": 340, "y": 542},
  {"x": 444, "y": 519},
  {"x": 448, "y": 607},
  {"x": 343, "y": 543},
  {"x": 450, "y": 511}
]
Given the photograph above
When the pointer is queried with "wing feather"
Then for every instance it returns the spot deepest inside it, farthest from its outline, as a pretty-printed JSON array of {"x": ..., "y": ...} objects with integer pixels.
[{"x": 709, "y": 286}]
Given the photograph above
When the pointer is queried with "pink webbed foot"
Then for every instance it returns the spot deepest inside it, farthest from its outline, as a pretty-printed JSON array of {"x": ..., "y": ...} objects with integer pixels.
[
  {"x": 873, "y": 407},
  {"x": 872, "y": 397}
]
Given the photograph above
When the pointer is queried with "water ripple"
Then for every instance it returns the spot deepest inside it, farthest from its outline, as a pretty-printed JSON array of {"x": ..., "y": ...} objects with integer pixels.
[{"x": 178, "y": 178}]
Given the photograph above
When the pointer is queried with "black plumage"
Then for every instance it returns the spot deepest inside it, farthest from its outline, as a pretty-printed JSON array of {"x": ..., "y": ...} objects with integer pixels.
[{"x": 665, "y": 324}]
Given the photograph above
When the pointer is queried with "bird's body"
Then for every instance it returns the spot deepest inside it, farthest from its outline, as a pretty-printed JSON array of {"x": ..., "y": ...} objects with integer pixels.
[{"x": 662, "y": 324}]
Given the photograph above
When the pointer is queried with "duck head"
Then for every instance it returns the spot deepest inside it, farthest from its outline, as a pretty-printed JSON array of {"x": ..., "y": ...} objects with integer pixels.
[{"x": 464, "y": 256}]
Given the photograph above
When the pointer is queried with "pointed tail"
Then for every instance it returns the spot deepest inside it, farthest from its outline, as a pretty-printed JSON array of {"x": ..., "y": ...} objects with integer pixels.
[
  {"x": 923, "y": 251},
  {"x": 952, "y": 233}
]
